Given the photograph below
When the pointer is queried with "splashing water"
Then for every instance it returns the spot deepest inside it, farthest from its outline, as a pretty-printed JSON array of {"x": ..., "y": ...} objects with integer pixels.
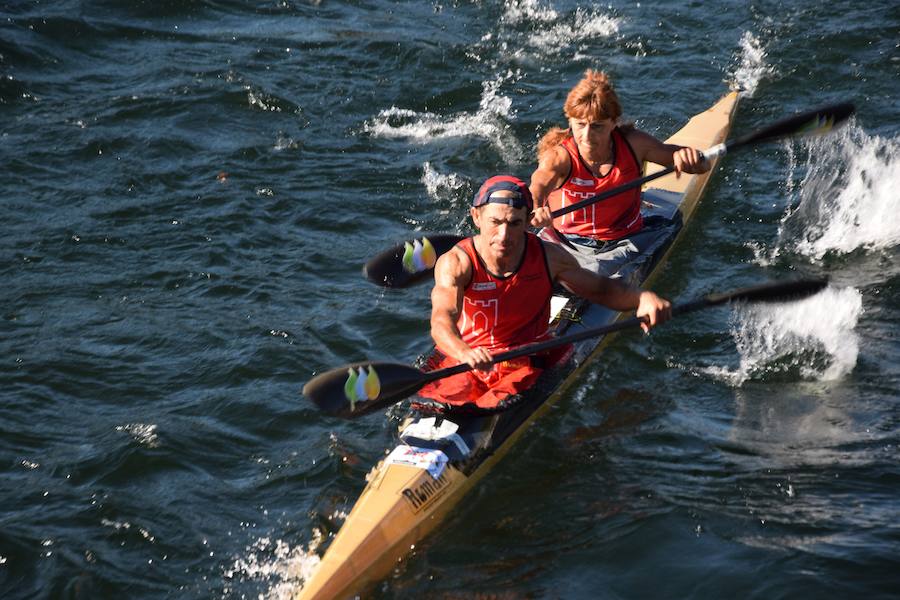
[
  {"x": 848, "y": 198},
  {"x": 489, "y": 122},
  {"x": 814, "y": 336},
  {"x": 583, "y": 26},
  {"x": 442, "y": 187},
  {"x": 284, "y": 567},
  {"x": 547, "y": 32},
  {"x": 526, "y": 11},
  {"x": 752, "y": 68},
  {"x": 552, "y": 34}
]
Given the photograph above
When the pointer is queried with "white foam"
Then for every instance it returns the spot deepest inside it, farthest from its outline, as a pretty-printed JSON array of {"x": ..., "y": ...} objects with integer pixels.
[
  {"x": 279, "y": 564},
  {"x": 425, "y": 127},
  {"x": 848, "y": 198},
  {"x": 527, "y": 11},
  {"x": 488, "y": 122},
  {"x": 752, "y": 68},
  {"x": 440, "y": 186},
  {"x": 549, "y": 32},
  {"x": 815, "y": 336},
  {"x": 581, "y": 26},
  {"x": 143, "y": 433},
  {"x": 531, "y": 32}
]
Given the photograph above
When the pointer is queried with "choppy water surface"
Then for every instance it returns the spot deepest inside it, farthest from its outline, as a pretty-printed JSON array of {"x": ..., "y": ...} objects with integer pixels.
[{"x": 190, "y": 188}]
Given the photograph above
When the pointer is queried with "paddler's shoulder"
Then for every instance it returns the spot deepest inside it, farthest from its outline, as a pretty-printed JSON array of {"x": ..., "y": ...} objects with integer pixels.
[
  {"x": 640, "y": 141},
  {"x": 453, "y": 264},
  {"x": 553, "y": 158},
  {"x": 558, "y": 259}
]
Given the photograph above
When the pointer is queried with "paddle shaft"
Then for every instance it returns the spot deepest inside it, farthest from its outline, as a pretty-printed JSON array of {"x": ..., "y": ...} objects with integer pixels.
[
  {"x": 614, "y": 192},
  {"x": 537, "y": 347},
  {"x": 529, "y": 349}
]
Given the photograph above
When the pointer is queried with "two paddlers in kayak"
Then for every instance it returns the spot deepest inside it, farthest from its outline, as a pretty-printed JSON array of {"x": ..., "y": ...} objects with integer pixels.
[{"x": 492, "y": 291}]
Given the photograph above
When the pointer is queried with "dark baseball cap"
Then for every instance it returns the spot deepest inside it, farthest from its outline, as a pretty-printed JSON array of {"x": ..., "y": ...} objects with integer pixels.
[{"x": 520, "y": 197}]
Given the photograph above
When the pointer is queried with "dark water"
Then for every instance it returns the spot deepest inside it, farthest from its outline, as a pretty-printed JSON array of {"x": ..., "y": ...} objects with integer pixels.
[{"x": 189, "y": 189}]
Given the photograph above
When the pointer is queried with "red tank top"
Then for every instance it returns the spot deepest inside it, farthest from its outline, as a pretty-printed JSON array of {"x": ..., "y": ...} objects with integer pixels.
[
  {"x": 608, "y": 219},
  {"x": 504, "y": 312}
]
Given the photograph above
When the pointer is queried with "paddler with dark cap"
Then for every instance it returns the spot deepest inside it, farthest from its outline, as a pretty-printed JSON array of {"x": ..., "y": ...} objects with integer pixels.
[{"x": 492, "y": 292}]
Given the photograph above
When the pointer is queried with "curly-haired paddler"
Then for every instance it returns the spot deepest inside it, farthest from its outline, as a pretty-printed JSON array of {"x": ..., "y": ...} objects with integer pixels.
[{"x": 597, "y": 153}]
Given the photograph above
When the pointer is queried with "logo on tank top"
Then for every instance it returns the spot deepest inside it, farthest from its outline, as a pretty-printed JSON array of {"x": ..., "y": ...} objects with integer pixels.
[
  {"x": 584, "y": 182},
  {"x": 482, "y": 286},
  {"x": 479, "y": 316}
]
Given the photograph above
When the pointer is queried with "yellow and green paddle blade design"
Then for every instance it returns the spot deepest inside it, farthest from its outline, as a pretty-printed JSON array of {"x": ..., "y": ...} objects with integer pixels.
[
  {"x": 418, "y": 256},
  {"x": 361, "y": 385}
]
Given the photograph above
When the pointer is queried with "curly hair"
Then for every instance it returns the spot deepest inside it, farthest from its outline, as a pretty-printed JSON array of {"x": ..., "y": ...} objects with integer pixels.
[{"x": 593, "y": 98}]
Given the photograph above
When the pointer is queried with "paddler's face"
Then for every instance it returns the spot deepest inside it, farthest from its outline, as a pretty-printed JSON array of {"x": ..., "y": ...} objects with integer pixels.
[
  {"x": 502, "y": 228},
  {"x": 591, "y": 135}
]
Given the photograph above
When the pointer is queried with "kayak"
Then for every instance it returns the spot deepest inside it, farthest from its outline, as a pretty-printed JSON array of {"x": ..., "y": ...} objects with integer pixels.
[{"x": 440, "y": 458}]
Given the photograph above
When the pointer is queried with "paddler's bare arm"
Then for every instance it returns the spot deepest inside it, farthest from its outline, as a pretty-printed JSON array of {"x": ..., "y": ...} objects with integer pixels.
[
  {"x": 683, "y": 158},
  {"x": 451, "y": 275},
  {"x": 551, "y": 173},
  {"x": 603, "y": 290}
]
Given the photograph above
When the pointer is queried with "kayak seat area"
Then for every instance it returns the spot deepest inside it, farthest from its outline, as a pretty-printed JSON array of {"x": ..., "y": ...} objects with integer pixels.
[
  {"x": 660, "y": 203},
  {"x": 459, "y": 439}
]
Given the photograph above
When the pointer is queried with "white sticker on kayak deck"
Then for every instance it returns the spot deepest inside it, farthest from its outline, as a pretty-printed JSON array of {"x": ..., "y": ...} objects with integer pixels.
[{"x": 432, "y": 461}]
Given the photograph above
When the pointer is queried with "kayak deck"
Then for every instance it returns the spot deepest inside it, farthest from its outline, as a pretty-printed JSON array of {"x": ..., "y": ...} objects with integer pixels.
[{"x": 440, "y": 459}]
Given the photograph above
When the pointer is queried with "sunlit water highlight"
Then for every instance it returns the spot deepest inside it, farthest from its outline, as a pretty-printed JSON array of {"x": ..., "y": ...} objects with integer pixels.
[
  {"x": 752, "y": 67},
  {"x": 815, "y": 337},
  {"x": 847, "y": 198},
  {"x": 490, "y": 121}
]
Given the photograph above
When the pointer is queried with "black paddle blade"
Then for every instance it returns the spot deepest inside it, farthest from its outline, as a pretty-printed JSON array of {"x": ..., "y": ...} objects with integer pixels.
[
  {"x": 783, "y": 291},
  {"x": 361, "y": 388},
  {"x": 811, "y": 122},
  {"x": 410, "y": 262},
  {"x": 778, "y": 291}
]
